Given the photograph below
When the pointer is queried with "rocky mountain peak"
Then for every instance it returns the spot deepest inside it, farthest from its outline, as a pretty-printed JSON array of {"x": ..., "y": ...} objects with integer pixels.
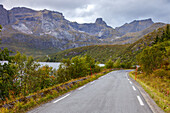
[
  {"x": 1, "y": 6},
  {"x": 100, "y": 21},
  {"x": 135, "y": 26},
  {"x": 149, "y": 20},
  {"x": 22, "y": 10},
  {"x": 4, "y": 19}
]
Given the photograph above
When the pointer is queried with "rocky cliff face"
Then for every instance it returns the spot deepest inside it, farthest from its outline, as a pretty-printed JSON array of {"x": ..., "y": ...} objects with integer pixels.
[
  {"x": 49, "y": 29},
  {"x": 98, "y": 29},
  {"x": 4, "y": 18}
]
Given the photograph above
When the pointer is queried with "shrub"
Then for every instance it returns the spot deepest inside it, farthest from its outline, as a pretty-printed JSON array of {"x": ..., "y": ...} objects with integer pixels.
[
  {"x": 161, "y": 73},
  {"x": 4, "y": 110}
]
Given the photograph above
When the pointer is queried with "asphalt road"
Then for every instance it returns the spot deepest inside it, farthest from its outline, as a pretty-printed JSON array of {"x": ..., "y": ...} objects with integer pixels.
[{"x": 112, "y": 93}]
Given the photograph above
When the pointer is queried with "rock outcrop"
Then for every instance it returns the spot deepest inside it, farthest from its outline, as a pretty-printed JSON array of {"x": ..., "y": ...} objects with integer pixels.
[{"x": 4, "y": 17}]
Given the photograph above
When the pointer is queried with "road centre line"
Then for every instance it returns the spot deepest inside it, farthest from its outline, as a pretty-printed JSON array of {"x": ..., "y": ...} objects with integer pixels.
[
  {"x": 130, "y": 82},
  {"x": 140, "y": 101},
  {"x": 82, "y": 87},
  {"x": 134, "y": 88},
  {"x": 61, "y": 98}
]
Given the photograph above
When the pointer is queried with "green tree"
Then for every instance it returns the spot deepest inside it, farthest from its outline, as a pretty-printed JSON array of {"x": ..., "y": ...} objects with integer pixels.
[
  {"x": 167, "y": 32},
  {"x": 90, "y": 64},
  {"x": 76, "y": 67},
  {"x": 151, "y": 58},
  {"x": 80, "y": 67},
  {"x": 6, "y": 74},
  {"x": 109, "y": 64},
  {"x": 156, "y": 39},
  {"x": 117, "y": 63}
]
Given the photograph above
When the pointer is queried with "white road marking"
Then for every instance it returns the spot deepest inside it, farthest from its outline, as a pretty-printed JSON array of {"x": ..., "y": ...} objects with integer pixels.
[
  {"x": 128, "y": 79},
  {"x": 130, "y": 82},
  {"x": 92, "y": 82},
  {"x": 134, "y": 88},
  {"x": 81, "y": 87},
  {"x": 140, "y": 101},
  {"x": 102, "y": 77},
  {"x": 61, "y": 98}
]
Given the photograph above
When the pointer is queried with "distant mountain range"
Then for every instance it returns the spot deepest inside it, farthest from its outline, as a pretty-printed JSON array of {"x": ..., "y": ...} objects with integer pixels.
[
  {"x": 44, "y": 32},
  {"x": 102, "y": 53}
]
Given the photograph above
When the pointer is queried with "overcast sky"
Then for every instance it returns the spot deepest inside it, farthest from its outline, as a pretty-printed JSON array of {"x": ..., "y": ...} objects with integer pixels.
[{"x": 114, "y": 12}]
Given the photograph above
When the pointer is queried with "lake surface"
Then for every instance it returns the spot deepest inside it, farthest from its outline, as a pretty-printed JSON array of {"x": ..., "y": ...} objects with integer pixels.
[{"x": 55, "y": 65}]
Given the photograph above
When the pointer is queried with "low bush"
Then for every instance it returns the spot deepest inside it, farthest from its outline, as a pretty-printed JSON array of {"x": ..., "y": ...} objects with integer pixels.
[{"x": 161, "y": 73}]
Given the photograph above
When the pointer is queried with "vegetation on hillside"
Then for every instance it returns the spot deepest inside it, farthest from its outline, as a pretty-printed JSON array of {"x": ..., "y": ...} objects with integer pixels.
[
  {"x": 118, "y": 64},
  {"x": 156, "y": 56},
  {"x": 154, "y": 71},
  {"x": 101, "y": 53},
  {"x": 134, "y": 49}
]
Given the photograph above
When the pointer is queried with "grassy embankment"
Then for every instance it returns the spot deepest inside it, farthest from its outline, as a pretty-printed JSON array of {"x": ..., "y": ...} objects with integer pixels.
[
  {"x": 157, "y": 87},
  {"x": 21, "y": 105}
]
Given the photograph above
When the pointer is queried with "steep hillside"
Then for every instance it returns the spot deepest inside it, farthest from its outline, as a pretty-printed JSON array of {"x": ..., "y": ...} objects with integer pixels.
[
  {"x": 147, "y": 40},
  {"x": 134, "y": 36},
  {"x": 101, "y": 53},
  {"x": 30, "y": 45}
]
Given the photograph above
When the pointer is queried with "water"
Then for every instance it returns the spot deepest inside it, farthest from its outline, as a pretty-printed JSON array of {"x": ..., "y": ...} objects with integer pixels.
[
  {"x": 101, "y": 65},
  {"x": 55, "y": 65},
  {"x": 3, "y": 62}
]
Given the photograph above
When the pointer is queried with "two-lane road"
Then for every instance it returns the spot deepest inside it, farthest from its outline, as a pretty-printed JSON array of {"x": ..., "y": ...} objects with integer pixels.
[{"x": 112, "y": 93}]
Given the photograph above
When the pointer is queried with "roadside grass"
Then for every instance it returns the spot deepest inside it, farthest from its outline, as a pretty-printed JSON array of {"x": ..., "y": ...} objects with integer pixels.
[
  {"x": 48, "y": 94},
  {"x": 157, "y": 87}
]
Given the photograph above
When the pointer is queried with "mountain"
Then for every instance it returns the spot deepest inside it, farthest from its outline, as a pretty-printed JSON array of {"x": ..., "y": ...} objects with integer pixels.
[
  {"x": 135, "y": 26},
  {"x": 134, "y": 36},
  {"x": 44, "y": 32},
  {"x": 98, "y": 29},
  {"x": 53, "y": 23}
]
